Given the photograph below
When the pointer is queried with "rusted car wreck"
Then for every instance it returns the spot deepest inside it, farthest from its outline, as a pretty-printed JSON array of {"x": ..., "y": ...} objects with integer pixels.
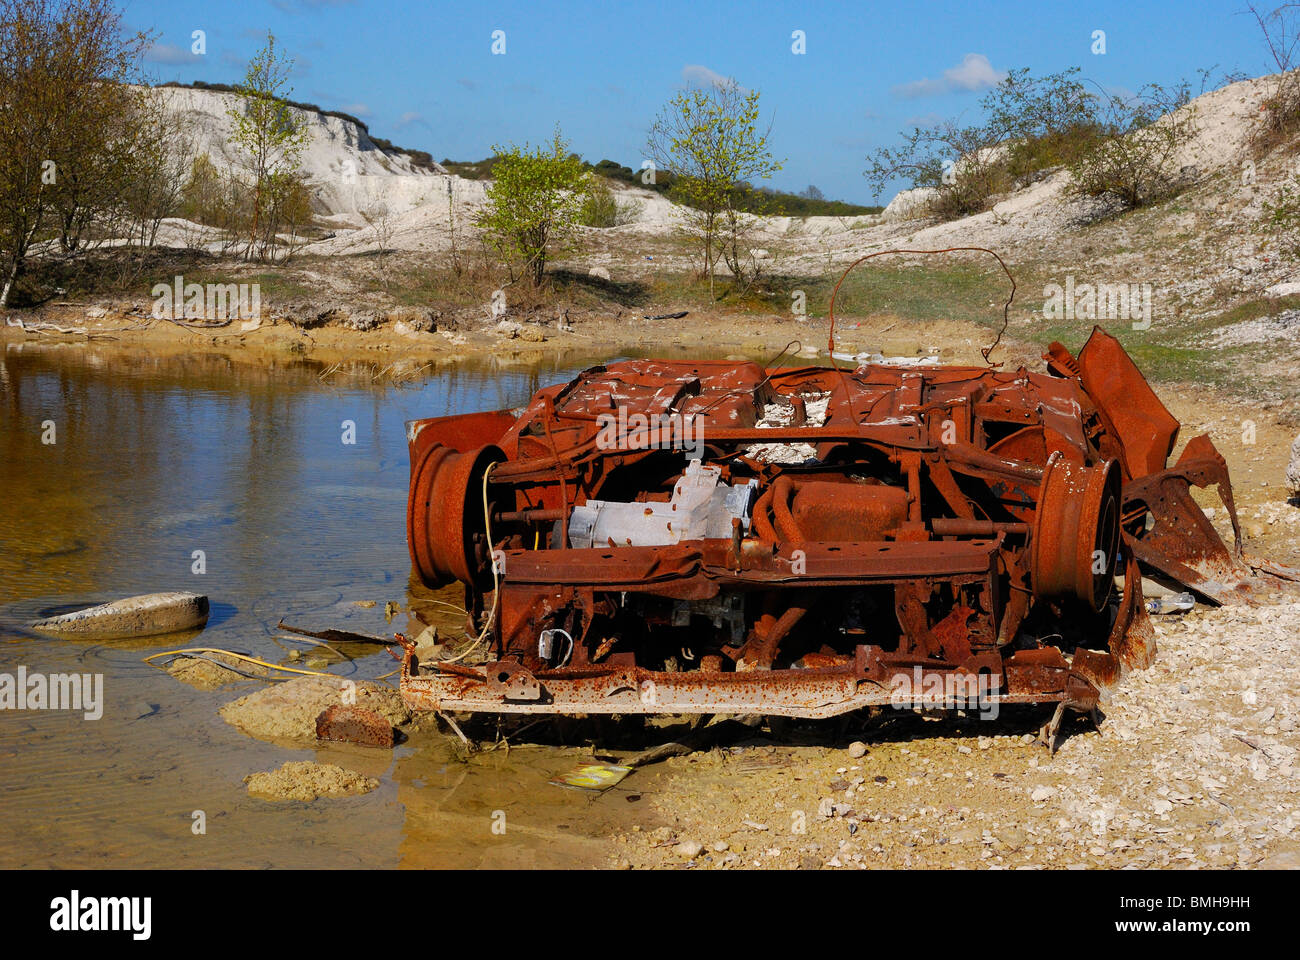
[{"x": 717, "y": 537}]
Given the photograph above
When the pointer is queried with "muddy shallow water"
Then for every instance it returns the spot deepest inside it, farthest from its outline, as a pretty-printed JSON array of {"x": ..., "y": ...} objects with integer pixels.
[{"x": 157, "y": 456}]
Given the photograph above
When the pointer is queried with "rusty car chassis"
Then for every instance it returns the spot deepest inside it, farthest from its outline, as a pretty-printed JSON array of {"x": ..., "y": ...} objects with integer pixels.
[{"x": 722, "y": 538}]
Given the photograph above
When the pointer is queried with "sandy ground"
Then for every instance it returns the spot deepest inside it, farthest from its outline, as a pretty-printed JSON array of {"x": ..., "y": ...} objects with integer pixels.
[{"x": 1194, "y": 768}]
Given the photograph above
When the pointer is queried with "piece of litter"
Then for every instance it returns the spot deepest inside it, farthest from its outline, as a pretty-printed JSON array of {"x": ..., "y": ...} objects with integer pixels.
[{"x": 592, "y": 776}]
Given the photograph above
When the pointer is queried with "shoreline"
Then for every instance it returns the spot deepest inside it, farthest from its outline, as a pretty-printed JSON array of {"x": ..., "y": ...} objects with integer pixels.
[{"x": 763, "y": 337}]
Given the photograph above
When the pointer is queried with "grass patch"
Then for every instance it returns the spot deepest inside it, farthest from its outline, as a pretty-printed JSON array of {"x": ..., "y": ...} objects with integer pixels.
[
  {"x": 1170, "y": 351},
  {"x": 1256, "y": 310},
  {"x": 278, "y": 286},
  {"x": 936, "y": 290}
]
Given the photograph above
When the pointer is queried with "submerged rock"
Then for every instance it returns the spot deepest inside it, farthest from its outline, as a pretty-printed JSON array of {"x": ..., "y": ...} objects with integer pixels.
[
  {"x": 205, "y": 675},
  {"x": 289, "y": 711},
  {"x": 304, "y": 781},
  {"x": 146, "y": 615}
]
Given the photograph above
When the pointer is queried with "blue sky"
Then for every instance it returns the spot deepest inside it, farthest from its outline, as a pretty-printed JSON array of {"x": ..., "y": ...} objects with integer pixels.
[{"x": 424, "y": 75}]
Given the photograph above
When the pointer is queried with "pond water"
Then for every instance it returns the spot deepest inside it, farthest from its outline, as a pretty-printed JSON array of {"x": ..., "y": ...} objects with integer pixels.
[{"x": 116, "y": 466}]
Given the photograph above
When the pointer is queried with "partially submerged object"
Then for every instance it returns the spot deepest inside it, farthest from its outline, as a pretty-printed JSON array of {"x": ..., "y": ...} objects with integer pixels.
[
  {"x": 348, "y": 723},
  {"x": 142, "y": 616},
  {"x": 592, "y": 776},
  {"x": 717, "y": 537}
]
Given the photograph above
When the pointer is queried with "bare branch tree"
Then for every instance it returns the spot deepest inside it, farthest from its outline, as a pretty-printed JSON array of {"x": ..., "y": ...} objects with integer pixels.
[{"x": 62, "y": 104}]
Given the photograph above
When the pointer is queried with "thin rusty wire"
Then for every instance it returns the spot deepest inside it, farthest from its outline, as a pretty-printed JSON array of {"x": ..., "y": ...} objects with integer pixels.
[
  {"x": 985, "y": 352},
  {"x": 759, "y": 386}
]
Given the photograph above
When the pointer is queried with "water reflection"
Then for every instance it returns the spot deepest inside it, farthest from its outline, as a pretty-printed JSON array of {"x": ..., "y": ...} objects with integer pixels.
[{"x": 228, "y": 474}]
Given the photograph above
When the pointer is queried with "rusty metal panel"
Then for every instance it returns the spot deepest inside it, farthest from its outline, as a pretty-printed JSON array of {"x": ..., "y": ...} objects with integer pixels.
[{"x": 352, "y": 724}]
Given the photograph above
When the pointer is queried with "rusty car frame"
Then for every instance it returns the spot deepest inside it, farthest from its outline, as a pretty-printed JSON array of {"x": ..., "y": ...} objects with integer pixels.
[{"x": 720, "y": 537}]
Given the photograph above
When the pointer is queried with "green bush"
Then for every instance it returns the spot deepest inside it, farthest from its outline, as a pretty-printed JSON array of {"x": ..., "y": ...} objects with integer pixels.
[
  {"x": 599, "y": 207},
  {"x": 533, "y": 204},
  {"x": 1122, "y": 147},
  {"x": 1135, "y": 157}
]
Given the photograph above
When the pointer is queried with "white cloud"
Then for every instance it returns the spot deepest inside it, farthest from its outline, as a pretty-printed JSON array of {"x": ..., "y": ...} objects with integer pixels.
[
  {"x": 409, "y": 118},
  {"x": 171, "y": 54},
  {"x": 357, "y": 109},
  {"x": 694, "y": 73},
  {"x": 973, "y": 73}
]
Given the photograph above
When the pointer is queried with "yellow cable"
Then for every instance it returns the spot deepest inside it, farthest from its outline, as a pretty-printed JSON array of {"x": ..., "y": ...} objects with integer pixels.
[
  {"x": 240, "y": 656},
  {"x": 496, "y": 592}
]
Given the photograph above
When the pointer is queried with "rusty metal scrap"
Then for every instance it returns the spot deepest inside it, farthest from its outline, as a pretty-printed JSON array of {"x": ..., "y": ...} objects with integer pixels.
[
  {"x": 348, "y": 723},
  {"x": 717, "y": 537}
]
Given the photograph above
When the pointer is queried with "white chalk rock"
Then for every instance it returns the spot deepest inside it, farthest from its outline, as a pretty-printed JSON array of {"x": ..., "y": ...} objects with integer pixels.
[
  {"x": 1293, "y": 468},
  {"x": 909, "y": 204}
]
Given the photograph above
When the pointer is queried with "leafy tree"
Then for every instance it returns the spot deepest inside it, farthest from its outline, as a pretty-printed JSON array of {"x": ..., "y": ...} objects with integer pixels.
[
  {"x": 1031, "y": 123},
  {"x": 533, "y": 204},
  {"x": 160, "y": 155},
  {"x": 710, "y": 140},
  {"x": 217, "y": 199},
  {"x": 270, "y": 139},
  {"x": 1046, "y": 121},
  {"x": 965, "y": 166},
  {"x": 62, "y": 110}
]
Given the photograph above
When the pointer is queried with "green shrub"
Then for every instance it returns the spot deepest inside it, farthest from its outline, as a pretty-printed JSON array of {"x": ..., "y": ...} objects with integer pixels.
[
  {"x": 533, "y": 204},
  {"x": 1135, "y": 157},
  {"x": 599, "y": 207}
]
